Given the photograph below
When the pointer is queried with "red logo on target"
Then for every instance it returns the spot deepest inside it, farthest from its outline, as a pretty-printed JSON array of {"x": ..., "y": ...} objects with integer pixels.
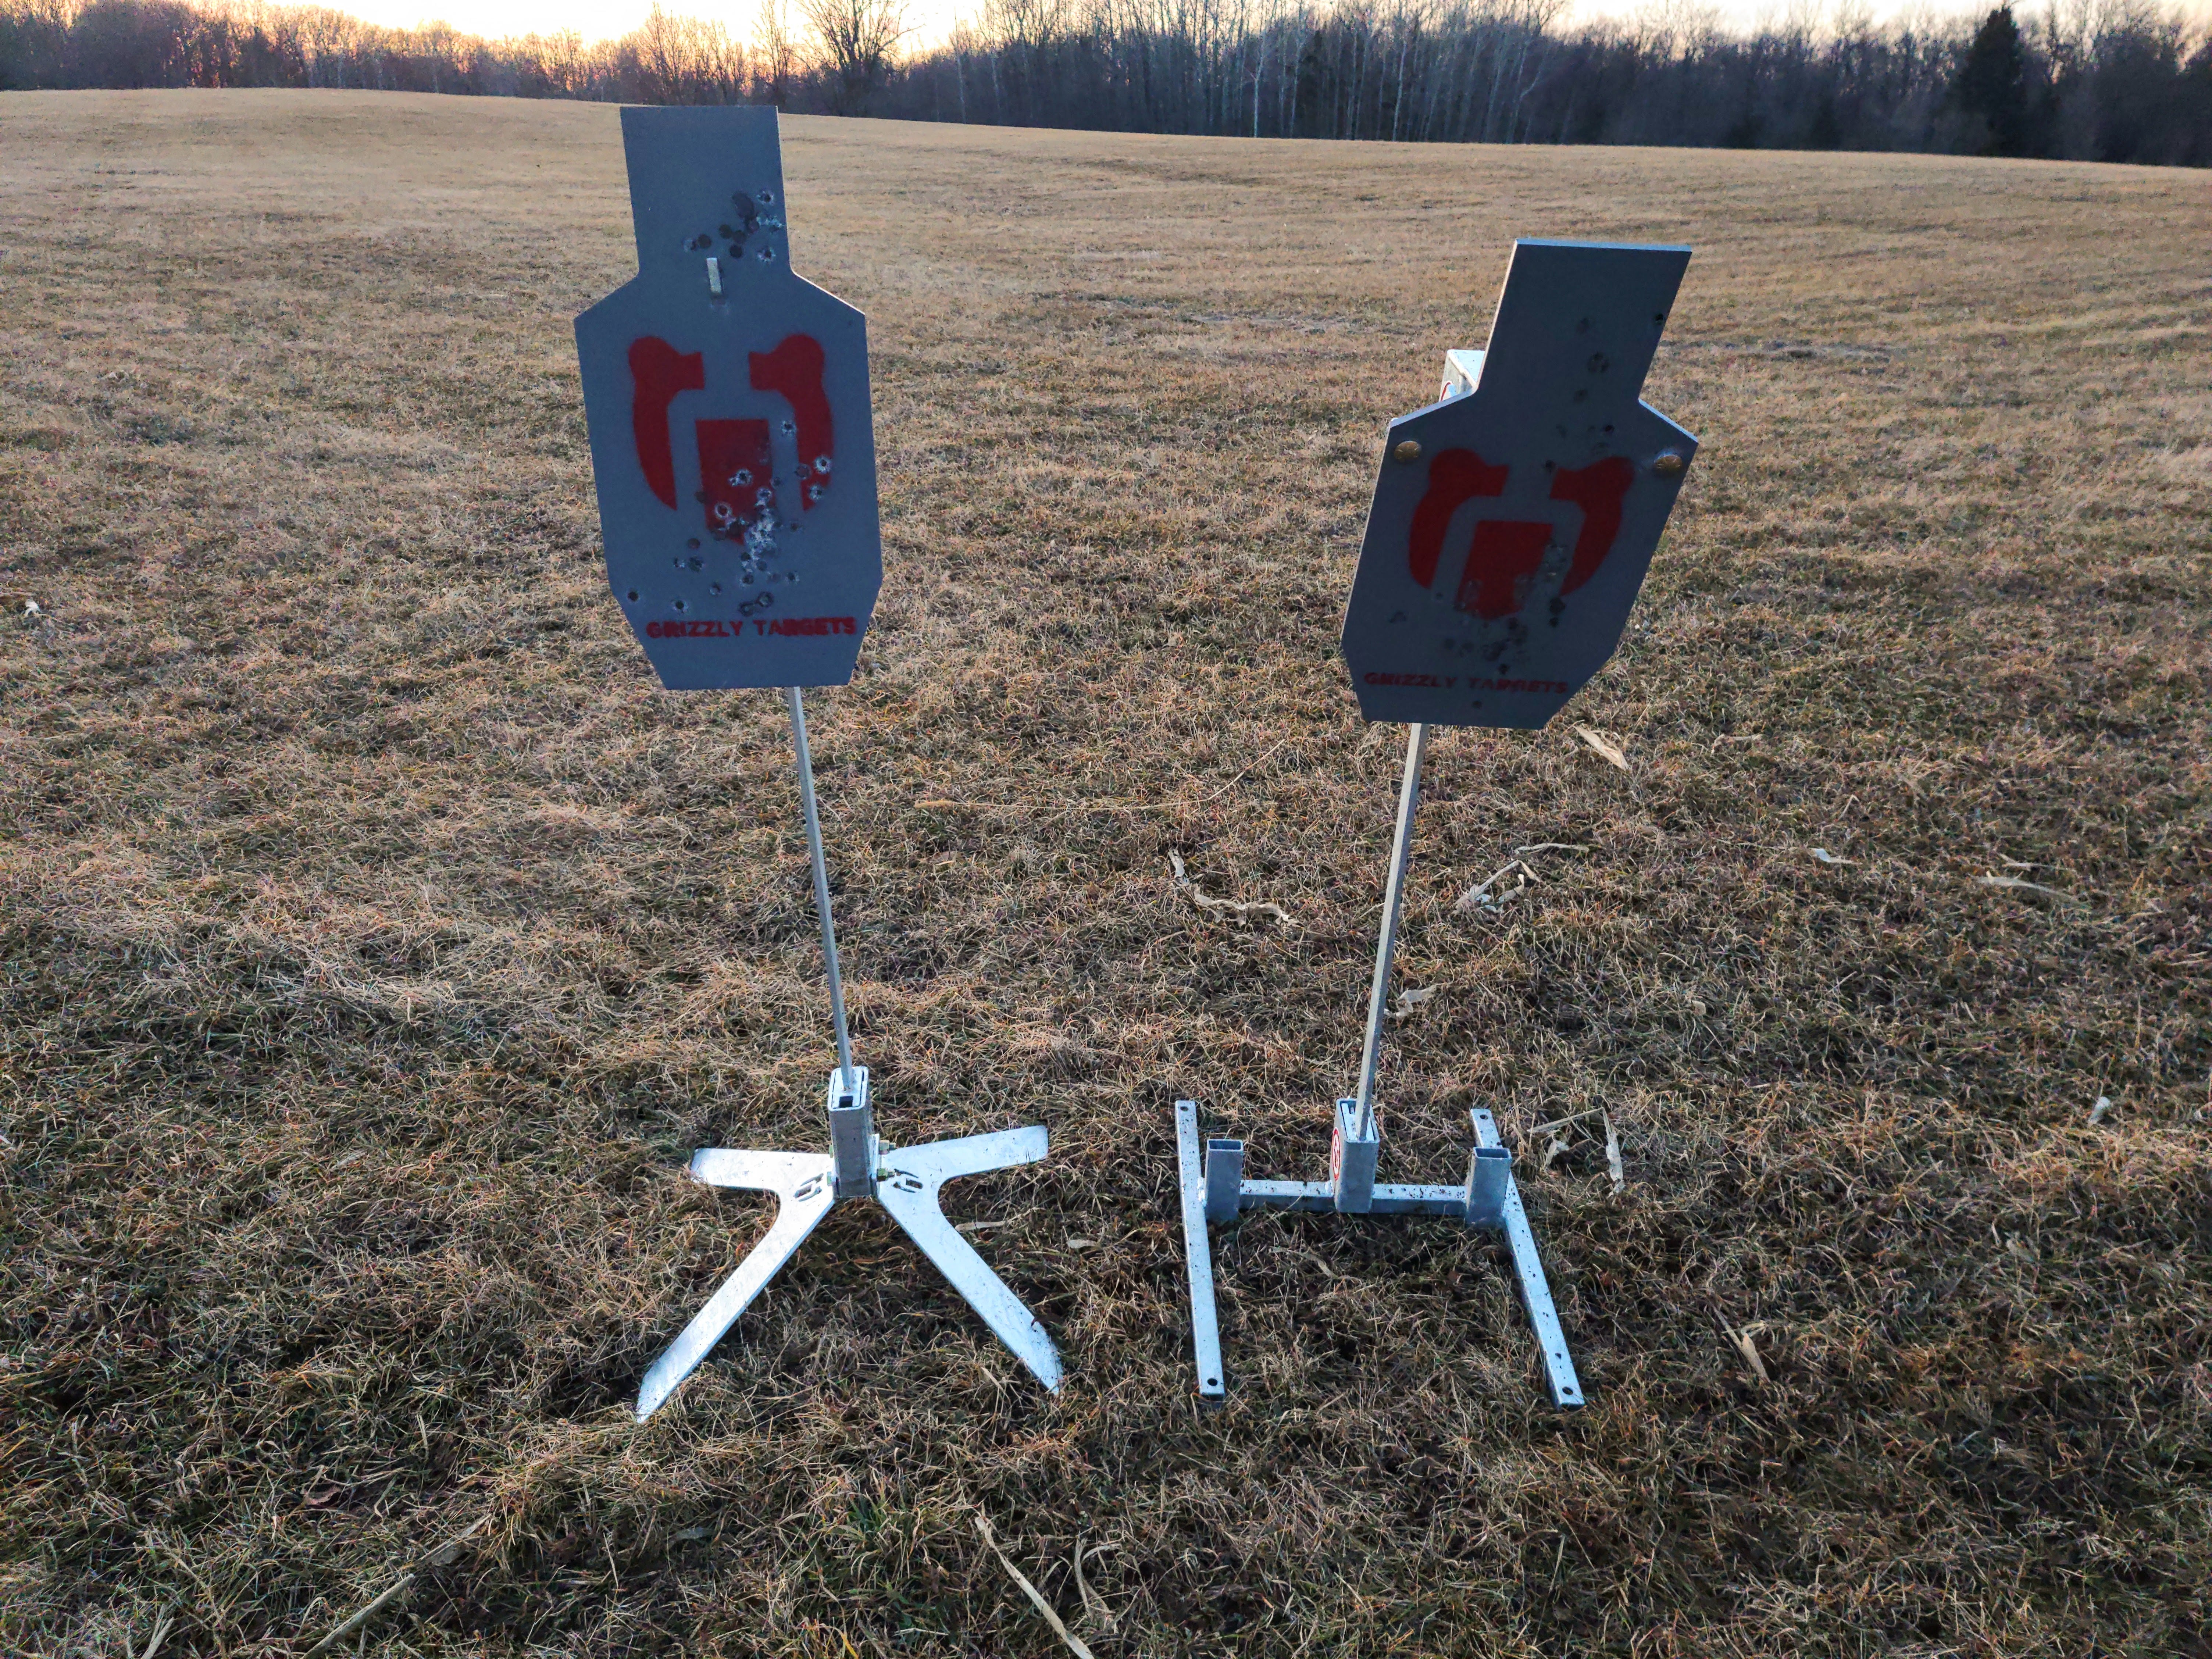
[
  {"x": 737, "y": 465},
  {"x": 1504, "y": 555}
]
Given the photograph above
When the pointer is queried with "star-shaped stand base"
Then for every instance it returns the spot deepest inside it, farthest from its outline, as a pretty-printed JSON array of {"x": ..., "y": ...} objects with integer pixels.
[{"x": 905, "y": 1181}]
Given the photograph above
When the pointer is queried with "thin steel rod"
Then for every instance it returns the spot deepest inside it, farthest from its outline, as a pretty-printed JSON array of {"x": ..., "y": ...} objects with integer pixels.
[
  {"x": 821, "y": 887},
  {"x": 1378, "y": 995}
]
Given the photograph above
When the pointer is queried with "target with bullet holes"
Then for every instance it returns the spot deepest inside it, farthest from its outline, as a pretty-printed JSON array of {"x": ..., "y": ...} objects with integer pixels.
[
  {"x": 1514, "y": 520},
  {"x": 732, "y": 443}
]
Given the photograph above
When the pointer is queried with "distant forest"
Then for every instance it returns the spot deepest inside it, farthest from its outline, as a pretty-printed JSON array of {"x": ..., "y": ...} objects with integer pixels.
[{"x": 2093, "y": 80}]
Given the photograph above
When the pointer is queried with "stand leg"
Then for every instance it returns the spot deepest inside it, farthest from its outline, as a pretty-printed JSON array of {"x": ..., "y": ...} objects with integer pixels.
[
  {"x": 1198, "y": 1252},
  {"x": 908, "y": 1190},
  {"x": 1535, "y": 1290},
  {"x": 804, "y": 1192}
]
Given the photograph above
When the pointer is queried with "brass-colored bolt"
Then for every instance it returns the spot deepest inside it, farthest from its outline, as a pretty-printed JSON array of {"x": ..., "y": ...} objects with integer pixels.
[
  {"x": 1670, "y": 464},
  {"x": 1408, "y": 452}
]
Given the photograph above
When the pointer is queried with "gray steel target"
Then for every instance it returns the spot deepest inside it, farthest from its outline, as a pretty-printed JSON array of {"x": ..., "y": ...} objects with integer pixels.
[
  {"x": 1513, "y": 521},
  {"x": 733, "y": 442},
  {"x": 1512, "y": 525}
]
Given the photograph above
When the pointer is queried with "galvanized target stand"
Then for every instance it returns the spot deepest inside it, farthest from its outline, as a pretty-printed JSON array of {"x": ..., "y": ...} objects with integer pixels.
[
  {"x": 1512, "y": 525},
  {"x": 734, "y": 453}
]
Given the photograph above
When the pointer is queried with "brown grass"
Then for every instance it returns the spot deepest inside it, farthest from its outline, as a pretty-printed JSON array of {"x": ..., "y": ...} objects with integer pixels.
[{"x": 379, "y": 941}]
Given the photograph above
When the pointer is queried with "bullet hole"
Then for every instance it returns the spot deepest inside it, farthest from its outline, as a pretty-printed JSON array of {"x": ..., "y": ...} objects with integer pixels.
[{"x": 633, "y": 596}]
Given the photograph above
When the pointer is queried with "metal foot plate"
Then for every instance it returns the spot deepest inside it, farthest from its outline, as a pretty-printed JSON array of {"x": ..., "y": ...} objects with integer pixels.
[
  {"x": 1535, "y": 1291},
  {"x": 1198, "y": 1252},
  {"x": 909, "y": 1189},
  {"x": 801, "y": 1182}
]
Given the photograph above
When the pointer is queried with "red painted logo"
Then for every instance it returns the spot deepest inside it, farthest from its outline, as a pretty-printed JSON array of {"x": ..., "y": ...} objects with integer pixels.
[
  {"x": 737, "y": 468},
  {"x": 657, "y": 371},
  {"x": 1504, "y": 555}
]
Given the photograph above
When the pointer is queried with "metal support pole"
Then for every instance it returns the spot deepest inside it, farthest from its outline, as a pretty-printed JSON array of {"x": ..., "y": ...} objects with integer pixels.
[
  {"x": 822, "y": 890},
  {"x": 1378, "y": 996}
]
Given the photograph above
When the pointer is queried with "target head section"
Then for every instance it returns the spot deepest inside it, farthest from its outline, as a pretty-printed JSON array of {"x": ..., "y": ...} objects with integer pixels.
[
  {"x": 1514, "y": 520},
  {"x": 731, "y": 439}
]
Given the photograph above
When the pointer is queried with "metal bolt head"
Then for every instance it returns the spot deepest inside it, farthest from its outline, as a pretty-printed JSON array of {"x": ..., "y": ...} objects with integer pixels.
[
  {"x": 1670, "y": 464},
  {"x": 1406, "y": 452}
]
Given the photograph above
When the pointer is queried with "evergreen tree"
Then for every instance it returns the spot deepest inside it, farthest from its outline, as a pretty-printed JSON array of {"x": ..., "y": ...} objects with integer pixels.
[{"x": 1991, "y": 84}]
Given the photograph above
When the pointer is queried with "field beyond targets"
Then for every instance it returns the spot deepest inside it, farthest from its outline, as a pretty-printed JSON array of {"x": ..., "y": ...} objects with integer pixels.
[{"x": 379, "y": 941}]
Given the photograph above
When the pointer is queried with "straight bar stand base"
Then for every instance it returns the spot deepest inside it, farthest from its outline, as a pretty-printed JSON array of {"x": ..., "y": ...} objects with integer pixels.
[
  {"x": 1214, "y": 1190},
  {"x": 906, "y": 1181}
]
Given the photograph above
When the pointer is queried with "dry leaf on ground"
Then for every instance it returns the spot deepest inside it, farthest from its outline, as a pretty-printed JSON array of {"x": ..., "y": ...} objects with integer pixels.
[
  {"x": 1744, "y": 1346},
  {"x": 1601, "y": 748},
  {"x": 1408, "y": 1001},
  {"x": 1991, "y": 880}
]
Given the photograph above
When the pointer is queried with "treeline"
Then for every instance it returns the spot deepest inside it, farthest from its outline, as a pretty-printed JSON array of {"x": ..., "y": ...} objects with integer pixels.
[
  {"x": 2114, "y": 82},
  {"x": 177, "y": 43},
  {"x": 2099, "y": 80}
]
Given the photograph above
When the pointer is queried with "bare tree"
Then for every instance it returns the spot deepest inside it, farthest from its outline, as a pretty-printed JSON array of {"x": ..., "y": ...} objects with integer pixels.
[
  {"x": 775, "y": 55},
  {"x": 858, "y": 39},
  {"x": 2104, "y": 80}
]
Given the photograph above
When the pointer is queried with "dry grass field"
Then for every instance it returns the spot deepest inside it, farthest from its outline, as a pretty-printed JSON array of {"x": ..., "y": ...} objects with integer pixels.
[{"x": 377, "y": 941}]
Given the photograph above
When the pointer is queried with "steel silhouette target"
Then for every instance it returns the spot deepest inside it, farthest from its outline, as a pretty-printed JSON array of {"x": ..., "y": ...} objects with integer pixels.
[
  {"x": 727, "y": 401},
  {"x": 1513, "y": 521},
  {"x": 732, "y": 438}
]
